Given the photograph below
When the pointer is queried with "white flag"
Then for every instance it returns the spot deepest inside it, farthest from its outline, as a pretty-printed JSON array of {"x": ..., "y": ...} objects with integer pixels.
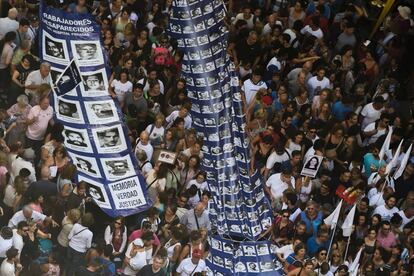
[
  {"x": 386, "y": 146},
  {"x": 403, "y": 164},
  {"x": 332, "y": 219},
  {"x": 348, "y": 222},
  {"x": 353, "y": 267},
  {"x": 393, "y": 162}
]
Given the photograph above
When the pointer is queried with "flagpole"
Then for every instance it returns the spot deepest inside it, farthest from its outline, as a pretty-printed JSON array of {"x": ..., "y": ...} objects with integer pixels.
[
  {"x": 347, "y": 247},
  {"x": 330, "y": 243}
]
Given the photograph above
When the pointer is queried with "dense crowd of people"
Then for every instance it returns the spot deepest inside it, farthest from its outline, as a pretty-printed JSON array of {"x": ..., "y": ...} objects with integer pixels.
[{"x": 313, "y": 84}]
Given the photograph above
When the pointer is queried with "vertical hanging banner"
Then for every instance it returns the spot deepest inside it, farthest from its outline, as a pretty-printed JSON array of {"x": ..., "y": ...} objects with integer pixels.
[
  {"x": 240, "y": 212},
  {"x": 95, "y": 134}
]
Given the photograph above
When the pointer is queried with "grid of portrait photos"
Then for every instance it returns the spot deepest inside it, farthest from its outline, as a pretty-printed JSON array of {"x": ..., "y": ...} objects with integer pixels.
[
  {"x": 94, "y": 134},
  {"x": 243, "y": 258},
  {"x": 240, "y": 208}
]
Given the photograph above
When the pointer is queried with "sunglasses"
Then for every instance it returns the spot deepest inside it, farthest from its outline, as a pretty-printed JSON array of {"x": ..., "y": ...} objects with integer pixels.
[
  {"x": 118, "y": 223},
  {"x": 285, "y": 216}
]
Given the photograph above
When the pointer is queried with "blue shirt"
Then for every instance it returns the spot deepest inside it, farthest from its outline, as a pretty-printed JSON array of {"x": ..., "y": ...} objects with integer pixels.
[
  {"x": 312, "y": 246},
  {"x": 311, "y": 225},
  {"x": 370, "y": 160},
  {"x": 339, "y": 110}
]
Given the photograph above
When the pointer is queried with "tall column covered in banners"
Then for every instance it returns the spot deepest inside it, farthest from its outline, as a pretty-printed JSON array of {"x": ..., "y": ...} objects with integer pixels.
[{"x": 240, "y": 211}]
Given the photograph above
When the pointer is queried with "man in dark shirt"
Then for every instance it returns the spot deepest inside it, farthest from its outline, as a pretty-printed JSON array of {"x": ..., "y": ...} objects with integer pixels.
[
  {"x": 248, "y": 50},
  {"x": 153, "y": 269}
]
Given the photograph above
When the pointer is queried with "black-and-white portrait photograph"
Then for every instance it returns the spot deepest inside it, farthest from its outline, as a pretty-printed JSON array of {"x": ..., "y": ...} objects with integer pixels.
[
  {"x": 207, "y": 8},
  {"x": 239, "y": 267},
  {"x": 311, "y": 166},
  {"x": 97, "y": 192},
  {"x": 204, "y": 95},
  {"x": 216, "y": 244},
  {"x": 110, "y": 139},
  {"x": 54, "y": 48},
  {"x": 217, "y": 107},
  {"x": 197, "y": 69},
  {"x": 95, "y": 82},
  {"x": 190, "y": 42},
  {"x": 235, "y": 228},
  {"x": 209, "y": 122},
  {"x": 202, "y": 40},
  {"x": 196, "y": 108},
  {"x": 101, "y": 112},
  {"x": 205, "y": 53},
  {"x": 77, "y": 139},
  {"x": 206, "y": 109},
  {"x": 87, "y": 52},
  {"x": 218, "y": 260},
  {"x": 228, "y": 248},
  {"x": 69, "y": 111},
  {"x": 188, "y": 29},
  {"x": 267, "y": 266},
  {"x": 210, "y": 66},
  {"x": 210, "y": 22},
  {"x": 200, "y": 82},
  {"x": 252, "y": 267},
  {"x": 249, "y": 250},
  {"x": 175, "y": 28},
  {"x": 228, "y": 263},
  {"x": 117, "y": 168},
  {"x": 196, "y": 13},
  {"x": 199, "y": 27},
  {"x": 180, "y": 42},
  {"x": 262, "y": 249},
  {"x": 182, "y": 14},
  {"x": 181, "y": 3},
  {"x": 55, "y": 74},
  {"x": 87, "y": 165}
]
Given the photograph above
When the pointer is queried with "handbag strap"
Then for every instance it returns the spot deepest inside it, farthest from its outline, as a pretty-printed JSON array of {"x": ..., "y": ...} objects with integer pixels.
[
  {"x": 152, "y": 183},
  {"x": 196, "y": 219},
  {"x": 194, "y": 269}
]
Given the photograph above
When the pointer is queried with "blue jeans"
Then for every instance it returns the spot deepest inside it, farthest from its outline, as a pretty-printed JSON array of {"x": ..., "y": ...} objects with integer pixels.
[{"x": 74, "y": 260}]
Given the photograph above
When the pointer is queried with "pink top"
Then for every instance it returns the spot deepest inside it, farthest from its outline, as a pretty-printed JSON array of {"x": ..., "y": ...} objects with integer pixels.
[
  {"x": 138, "y": 233},
  {"x": 37, "y": 130},
  {"x": 386, "y": 241}
]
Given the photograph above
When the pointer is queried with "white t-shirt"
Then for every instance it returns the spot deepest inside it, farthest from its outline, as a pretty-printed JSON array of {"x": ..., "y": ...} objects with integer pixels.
[
  {"x": 17, "y": 241},
  {"x": 174, "y": 115},
  {"x": 250, "y": 89},
  {"x": 7, "y": 269},
  {"x": 135, "y": 263},
  {"x": 4, "y": 246},
  {"x": 146, "y": 86},
  {"x": 386, "y": 214},
  {"x": 277, "y": 186},
  {"x": 200, "y": 186},
  {"x": 373, "y": 138},
  {"x": 405, "y": 220},
  {"x": 308, "y": 30},
  {"x": 121, "y": 89},
  {"x": 149, "y": 150},
  {"x": 157, "y": 134},
  {"x": 18, "y": 217},
  {"x": 274, "y": 62},
  {"x": 275, "y": 158},
  {"x": 370, "y": 115},
  {"x": 187, "y": 268},
  {"x": 315, "y": 85}
]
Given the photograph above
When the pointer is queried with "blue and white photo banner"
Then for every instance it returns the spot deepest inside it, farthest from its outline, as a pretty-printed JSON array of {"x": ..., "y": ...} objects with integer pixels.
[
  {"x": 240, "y": 211},
  {"x": 95, "y": 134}
]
